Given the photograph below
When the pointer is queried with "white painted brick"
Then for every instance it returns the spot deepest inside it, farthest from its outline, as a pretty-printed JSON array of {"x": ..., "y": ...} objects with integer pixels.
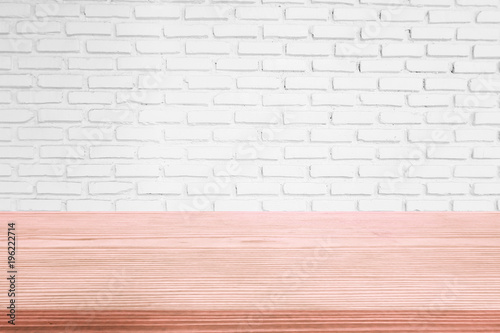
[
  {"x": 5, "y": 170},
  {"x": 431, "y": 33},
  {"x": 334, "y": 32},
  {"x": 448, "y": 152},
  {"x": 398, "y": 188},
  {"x": 353, "y": 153},
  {"x": 186, "y": 64},
  {"x": 485, "y": 85},
  {"x": 487, "y": 51},
  {"x": 208, "y": 12},
  {"x": 138, "y": 30},
  {"x": 237, "y": 205},
  {"x": 161, "y": 116},
  {"x": 90, "y": 63},
  {"x": 15, "y": 188},
  {"x": 213, "y": 117},
  {"x": 473, "y": 67},
  {"x": 350, "y": 83},
  {"x": 38, "y": 28},
  {"x": 383, "y": 33},
  {"x": 377, "y": 205},
  {"x": 307, "y": 83},
  {"x": 288, "y": 134},
  {"x": 284, "y": 65},
  {"x": 89, "y": 28},
  {"x": 236, "y": 31},
  {"x": 473, "y": 205},
  {"x": 140, "y": 205},
  {"x": 304, "y": 189},
  {"x": 332, "y": 171},
  {"x": 235, "y": 134},
  {"x": 162, "y": 188},
  {"x": 305, "y": 13},
  {"x": 23, "y": 152},
  {"x": 188, "y": 134},
  {"x": 290, "y": 171},
  {"x": 16, "y": 81},
  {"x": 89, "y": 170},
  {"x": 400, "y": 153},
  {"x": 306, "y": 152},
  {"x": 58, "y": 45},
  {"x": 284, "y": 205},
  {"x": 381, "y": 66},
  {"x": 382, "y": 99},
  {"x": 428, "y": 100},
  {"x": 206, "y": 47},
  {"x": 43, "y": 170},
  {"x": 473, "y": 34},
  {"x": 488, "y": 16},
  {"x": 353, "y": 117},
  {"x": 108, "y": 46},
  {"x": 403, "y": 15},
  {"x": 427, "y": 205},
  {"x": 6, "y": 204},
  {"x": 445, "y": 84},
  {"x": 39, "y": 205},
  {"x": 427, "y": 66},
  {"x": 235, "y": 169},
  {"x": 349, "y": 188},
  {"x": 140, "y": 63},
  {"x": 89, "y": 205},
  {"x": 380, "y": 135},
  {"x": 403, "y": 50},
  {"x": 286, "y": 31},
  {"x": 84, "y": 97},
  {"x": 256, "y": 117},
  {"x": 448, "y": 50},
  {"x": 334, "y": 205},
  {"x": 15, "y": 10},
  {"x": 235, "y": 64},
  {"x": 356, "y": 50},
  {"x": 475, "y": 171},
  {"x": 4, "y": 28},
  {"x": 355, "y": 14},
  {"x": 187, "y": 170},
  {"x": 16, "y": 45},
  {"x": 40, "y": 133},
  {"x": 309, "y": 49},
  {"x": 486, "y": 153},
  {"x": 259, "y": 82},
  {"x": 429, "y": 171},
  {"x": 110, "y": 82},
  {"x": 5, "y": 134},
  {"x": 258, "y": 189},
  {"x": 162, "y": 152},
  {"x": 186, "y": 31},
  {"x": 157, "y": 12},
  {"x": 262, "y": 48},
  {"x": 331, "y": 65},
  {"x": 435, "y": 3},
  {"x": 107, "y": 11},
  {"x": 401, "y": 84},
  {"x": 137, "y": 170},
  {"x": 69, "y": 188},
  {"x": 448, "y": 188},
  {"x": 332, "y": 135},
  {"x": 285, "y": 99},
  {"x": 447, "y": 16},
  {"x": 476, "y": 135},
  {"x": 258, "y": 13},
  {"x": 210, "y": 153},
  {"x": 343, "y": 99},
  {"x": 98, "y": 152},
  {"x": 60, "y": 81}
]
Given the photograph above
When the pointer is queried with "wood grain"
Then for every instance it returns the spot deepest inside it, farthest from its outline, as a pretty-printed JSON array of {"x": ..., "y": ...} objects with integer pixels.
[{"x": 255, "y": 272}]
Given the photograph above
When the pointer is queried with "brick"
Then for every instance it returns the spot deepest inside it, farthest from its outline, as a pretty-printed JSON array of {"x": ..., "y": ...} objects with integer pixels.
[
  {"x": 475, "y": 171},
  {"x": 342, "y": 99},
  {"x": 474, "y": 67},
  {"x": 137, "y": 170},
  {"x": 157, "y": 12},
  {"x": 447, "y": 16},
  {"x": 39, "y": 97},
  {"x": 488, "y": 16},
  {"x": 234, "y": 134},
  {"x": 383, "y": 33},
  {"x": 186, "y": 64},
  {"x": 43, "y": 170},
  {"x": 349, "y": 83},
  {"x": 354, "y": 14},
  {"x": 328, "y": 135},
  {"x": 353, "y": 153},
  {"x": 427, "y": 66},
  {"x": 15, "y": 10},
  {"x": 309, "y": 49},
  {"x": 284, "y": 205},
  {"x": 403, "y": 15},
  {"x": 443, "y": 84},
  {"x": 85, "y": 97},
  {"x": 258, "y": 13},
  {"x": 109, "y": 46},
  {"x": 298, "y": 117},
  {"x": 58, "y": 45},
  {"x": 16, "y": 45},
  {"x": 161, "y": 152},
  {"x": 431, "y": 33},
  {"x": 429, "y": 172},
  {"x": 40, "y": 63},
  {"x": 350, "y": 188},
  {"x": 40, "y": 133},
  {"x": 353, "y": 117},
  {"x": 403, "y": 50},
  {"x": 210, "y": 153},
  {"x": 257, "y": 189},
  {"x": 237, "y": 206},
  {"x": 380, "y": 135},
  {"x": 307, "y": 83},
  {"x": 5, "y": 134},
  {"x": 236, "y": 31},
  {"x": 334, "y": 32},
  {"x": 427, "y": 205},
  {"x": 138, "y": 30},
  {"x": 249, "y": 99},
  {"x": 16, "y": 187},
  {"x": 89, "y": 28},
  {"x": 259, "y": 82},
  {"x": 356, "y": 50},
  {"x": 38, "y": 28},
  {"x": 288, "y": 171},
  {"x": 448, "y": 50},
  {"x": 334, "y": 205},
  {"x": 448, "y": 188},
  {"x": 473, "y": 206},
  {"x": 208, "y": 12},
  {"x": 377, "y": 205},
  {"x": 89, "y": 205},
  {"x": 476, "y": 135},
  {"x": 39, "y": 205},
  {"x": 448, "y": 152},
  {"x": 381, "y": 66},
  {"x": 187, "y": 170},
  {"x": 16, "y": 81},
  {"x": 68, "y": 188},
  {"x": 60, "y": 81},
  {"x": 304, "y": 189},
  {"x": 207, "y": 47},
  {"x": 90, "y": 63},
  {"x": 306, "y": 152},
  {"x": 486, "y": 153},
  {"x": 399, "y": 188},
  {"x": 284, "y": 65},
  {"x": 286, "y": 31},
  {"x": 89, "y": 170},
  {"x": 57, "y": 10},
  {"x": 260, "y": 48},
  {"x": 63, "y": 152},
  {"x": 91, "y": 133},
  {"x": 140, "y": 205},
  {"x": 107, "y": 11},
  {"x": 474, "y": 34},
  {"x": 98, "y": 152},
  {"x": 332, "y": 171},
  {"x": 486, "y": 51},
  {"x": 305, "y": 13},
  {"x": 24, "y": 152}
]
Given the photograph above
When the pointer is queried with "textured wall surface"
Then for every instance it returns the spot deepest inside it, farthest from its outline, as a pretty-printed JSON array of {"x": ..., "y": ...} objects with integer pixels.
[{"x": 250, "y": 105}]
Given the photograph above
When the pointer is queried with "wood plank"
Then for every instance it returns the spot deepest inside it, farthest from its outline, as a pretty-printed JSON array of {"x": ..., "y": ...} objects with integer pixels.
[{"x": 255, "y": 272}]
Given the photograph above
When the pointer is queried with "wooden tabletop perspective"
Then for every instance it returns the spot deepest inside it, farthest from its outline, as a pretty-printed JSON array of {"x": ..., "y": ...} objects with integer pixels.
[{"x": 251, "y": 272}]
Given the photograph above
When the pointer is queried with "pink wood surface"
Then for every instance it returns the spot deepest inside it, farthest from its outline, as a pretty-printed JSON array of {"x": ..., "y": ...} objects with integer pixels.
[{"x": 255, "y": 272}]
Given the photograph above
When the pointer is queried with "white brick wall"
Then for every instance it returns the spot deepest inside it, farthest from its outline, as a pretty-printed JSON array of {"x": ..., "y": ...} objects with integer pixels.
[{"x": 275, "y": 105}]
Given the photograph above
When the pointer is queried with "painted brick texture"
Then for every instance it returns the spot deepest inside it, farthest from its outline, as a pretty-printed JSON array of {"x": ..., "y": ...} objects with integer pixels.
[{"x": 246, "y": 105}]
